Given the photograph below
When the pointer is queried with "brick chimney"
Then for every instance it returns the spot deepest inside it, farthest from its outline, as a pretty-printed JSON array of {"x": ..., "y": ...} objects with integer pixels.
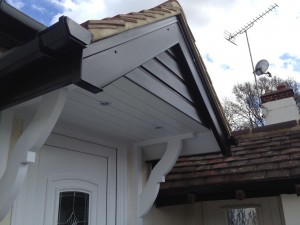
[{"x": 279, "y": 106}]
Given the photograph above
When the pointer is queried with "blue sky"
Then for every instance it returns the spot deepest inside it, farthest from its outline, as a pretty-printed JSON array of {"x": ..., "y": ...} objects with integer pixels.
[
  {"x": 42, "y": 11},
  {"x": 289, "y": 60},
  {"x": 275, "y": 37}
]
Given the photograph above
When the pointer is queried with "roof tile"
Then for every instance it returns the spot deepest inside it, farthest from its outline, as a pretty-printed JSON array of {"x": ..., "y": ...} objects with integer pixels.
[
  {"x": 295, "y": 171},
  {"x": 278, "y": 173},
  {"x": 264, "y": 155},
  {"x": 289, "y": 164},
  {"x": 123, "y": 22}
]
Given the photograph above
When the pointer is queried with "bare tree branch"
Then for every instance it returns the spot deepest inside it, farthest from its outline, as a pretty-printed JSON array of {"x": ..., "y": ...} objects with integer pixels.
[{"x": 244, "y": 110}]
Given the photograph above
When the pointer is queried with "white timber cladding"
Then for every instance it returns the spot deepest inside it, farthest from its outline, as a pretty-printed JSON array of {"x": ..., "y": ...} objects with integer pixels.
[
  {"x": 29, "y": 142},
  {"x": 132, "y": 115}
]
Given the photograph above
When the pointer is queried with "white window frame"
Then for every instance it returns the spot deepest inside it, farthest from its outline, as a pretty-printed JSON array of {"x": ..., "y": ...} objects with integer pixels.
[{"x": 57, "y": 185}]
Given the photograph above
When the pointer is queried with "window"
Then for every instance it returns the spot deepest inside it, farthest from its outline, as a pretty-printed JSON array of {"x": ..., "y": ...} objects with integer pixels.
[
  {"x": 242, "y": 216},
  {"x": 73, "y": 208}
]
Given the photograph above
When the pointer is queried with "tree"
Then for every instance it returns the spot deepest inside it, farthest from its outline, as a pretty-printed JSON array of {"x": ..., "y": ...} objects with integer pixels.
[{"x": 244, "y": 111}]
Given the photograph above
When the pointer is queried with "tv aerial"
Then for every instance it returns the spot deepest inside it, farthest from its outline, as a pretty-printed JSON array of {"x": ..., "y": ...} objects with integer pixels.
[
  {"x": 232, "y": 36},
  {"x": 262, "y": 67}
]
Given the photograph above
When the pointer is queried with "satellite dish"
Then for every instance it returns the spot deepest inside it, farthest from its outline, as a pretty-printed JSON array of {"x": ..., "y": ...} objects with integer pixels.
[{"x": 261, "y": 67}]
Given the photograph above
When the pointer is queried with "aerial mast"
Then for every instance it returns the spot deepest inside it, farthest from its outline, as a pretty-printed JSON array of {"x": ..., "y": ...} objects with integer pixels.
[{"x": 232, "y": 36}]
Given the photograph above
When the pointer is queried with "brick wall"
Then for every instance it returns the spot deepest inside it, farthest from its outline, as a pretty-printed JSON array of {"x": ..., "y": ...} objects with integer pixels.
[{"x": 281, "y": 93}]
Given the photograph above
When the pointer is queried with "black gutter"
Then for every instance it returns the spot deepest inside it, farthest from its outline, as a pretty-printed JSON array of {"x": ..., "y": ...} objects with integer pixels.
[
  {"x": 15, "y": 27},
  {"x": 48, "y": 62}
]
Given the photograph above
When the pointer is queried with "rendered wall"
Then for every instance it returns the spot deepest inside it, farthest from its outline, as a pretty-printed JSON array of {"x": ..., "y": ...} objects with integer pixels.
[
  {"x": 281, "y": 111},
  {"x": 175, "y": 215},
  {"x": 291, "y": 209}
]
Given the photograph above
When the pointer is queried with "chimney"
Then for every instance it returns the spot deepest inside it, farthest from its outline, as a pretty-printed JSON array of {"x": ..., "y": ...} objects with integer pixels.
[{"x": 279, "y": 106}]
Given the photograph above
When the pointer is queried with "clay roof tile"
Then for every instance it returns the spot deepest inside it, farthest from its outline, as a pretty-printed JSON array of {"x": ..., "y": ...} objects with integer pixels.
[
  {"x": 120, "y": 23},
  {"x": 261, "y": 155}
]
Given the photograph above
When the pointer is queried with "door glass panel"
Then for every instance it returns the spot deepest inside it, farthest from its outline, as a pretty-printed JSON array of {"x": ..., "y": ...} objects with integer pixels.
[
  {"x": 242, "y": 216},
  {"x": 73, "y": 208}
]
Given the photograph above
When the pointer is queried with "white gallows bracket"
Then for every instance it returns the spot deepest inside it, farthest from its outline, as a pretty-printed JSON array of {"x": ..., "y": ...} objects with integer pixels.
[
  {"x": 157, "y": 176},
  {"x": 6, "y": 121},
  {"x": 31, "y": 140}
]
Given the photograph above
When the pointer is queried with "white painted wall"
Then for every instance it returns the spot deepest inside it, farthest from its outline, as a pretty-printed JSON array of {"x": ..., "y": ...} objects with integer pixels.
[
  {"x": 280, "y": 111},
  {"x": 291, "y": 209}
]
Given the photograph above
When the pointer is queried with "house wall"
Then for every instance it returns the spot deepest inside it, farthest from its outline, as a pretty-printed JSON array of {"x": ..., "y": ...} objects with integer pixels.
[
  {"x": 291, "y": 208},
  {"x": 268, "y": 210},
  {"x": 214, "y": 212},
  {"x": 175, "y": 215}
]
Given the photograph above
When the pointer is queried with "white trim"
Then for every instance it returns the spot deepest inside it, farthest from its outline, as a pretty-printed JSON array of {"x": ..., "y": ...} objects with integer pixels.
[
  {"x": 164, "y": 140},
  {"x": 61, "y": 130},
  {"x": 75, "y": 144},
  {"x": 122, "y": 177}
]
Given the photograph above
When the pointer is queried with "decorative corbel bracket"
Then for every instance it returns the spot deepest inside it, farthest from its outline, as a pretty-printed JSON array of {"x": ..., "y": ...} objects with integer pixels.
[
  {"x": 31, "y": 140},
  {"x": 157, "y": 176}
]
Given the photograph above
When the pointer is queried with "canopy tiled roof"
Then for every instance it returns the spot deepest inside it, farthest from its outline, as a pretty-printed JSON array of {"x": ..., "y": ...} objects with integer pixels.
[
  {"x": 107, "y": 27},
  {"x": 266, "y": 162}
]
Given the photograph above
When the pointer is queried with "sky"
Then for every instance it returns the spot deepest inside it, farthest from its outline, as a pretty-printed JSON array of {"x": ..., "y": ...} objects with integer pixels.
[{"x": 275, "y": 37}]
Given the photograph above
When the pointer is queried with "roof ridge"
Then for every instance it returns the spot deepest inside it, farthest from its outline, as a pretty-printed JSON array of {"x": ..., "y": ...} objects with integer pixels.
[
  {"x": 274, "y": 128},
  {"x": 110, "y": 26}
]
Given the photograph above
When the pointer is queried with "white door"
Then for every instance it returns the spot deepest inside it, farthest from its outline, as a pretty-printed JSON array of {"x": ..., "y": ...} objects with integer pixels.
[{"x": 73, "y": 184}]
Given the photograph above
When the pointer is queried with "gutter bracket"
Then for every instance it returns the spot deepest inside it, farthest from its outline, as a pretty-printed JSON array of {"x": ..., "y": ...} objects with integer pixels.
[
  {"x": 148, "y": 195},
  {"x": 30, "y": 142}
]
